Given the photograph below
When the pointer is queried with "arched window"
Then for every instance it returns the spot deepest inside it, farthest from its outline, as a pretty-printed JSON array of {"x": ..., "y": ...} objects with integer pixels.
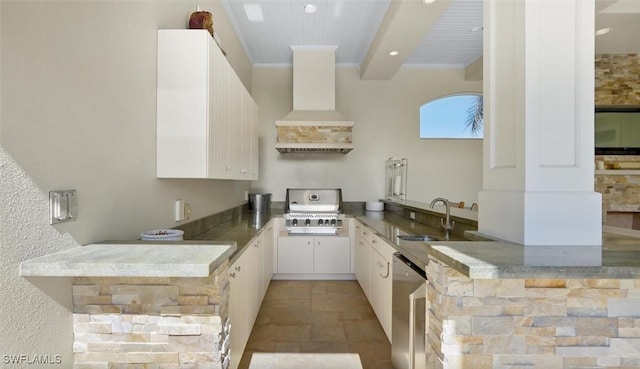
[{"x": 452, "y": 116}]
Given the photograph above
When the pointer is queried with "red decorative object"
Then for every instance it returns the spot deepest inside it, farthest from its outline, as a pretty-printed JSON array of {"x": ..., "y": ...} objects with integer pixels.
[{"x": 201, "y": 20}]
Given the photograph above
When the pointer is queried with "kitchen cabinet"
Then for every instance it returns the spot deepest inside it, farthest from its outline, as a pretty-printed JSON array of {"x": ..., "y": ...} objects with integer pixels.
[
  {"x": 382, "y": 283},
  {"x": 362, "y": 251},
  {"x": 331, "y": 255},
  {"x": 314, "y": 255},
  {"x": 206, "y": 119},
  {"x": 374, "y": 270},
  {"x": 267, "y": 247},
  {"x": 242, "y": 284},
  {"x": 249, "y": 277},
  {"x": 295, "y": 254}
]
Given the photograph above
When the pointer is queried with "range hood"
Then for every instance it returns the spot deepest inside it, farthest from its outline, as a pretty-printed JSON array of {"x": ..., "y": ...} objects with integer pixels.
[{"x": 314, "y": 125}]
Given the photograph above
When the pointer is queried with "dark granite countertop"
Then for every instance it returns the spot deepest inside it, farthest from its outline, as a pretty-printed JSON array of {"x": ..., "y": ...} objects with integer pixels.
[{"x": 241, "y": 229}]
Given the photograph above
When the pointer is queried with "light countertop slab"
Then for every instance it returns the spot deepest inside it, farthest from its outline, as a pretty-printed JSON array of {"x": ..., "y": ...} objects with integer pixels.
[{"x": 136, "y": 259}]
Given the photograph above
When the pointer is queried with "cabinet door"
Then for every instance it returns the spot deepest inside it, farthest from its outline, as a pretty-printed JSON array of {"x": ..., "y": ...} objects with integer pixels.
[
  {"x": 258, "y": 245},
  {"x": 218, "y": 113},
  {"x": 362, "y": 260},
  {"x": 255, "y": 170},
  {"x": 243, "y": 301},
  {"x": 386, "y": 287},
  {"x": 295, "y": 254},
  {"x": 237, "y": 306},
  {"x": 331, "y": 255},
  {"x": 251, "y": 287},
  {"x": 267, "y": 261},
  {"x": 375, "y": 282},
  {"x": 182, "y": 92}
]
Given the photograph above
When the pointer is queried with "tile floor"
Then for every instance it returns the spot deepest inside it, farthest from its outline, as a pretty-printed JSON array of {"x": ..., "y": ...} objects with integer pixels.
[{"x": 319, "y": 317}]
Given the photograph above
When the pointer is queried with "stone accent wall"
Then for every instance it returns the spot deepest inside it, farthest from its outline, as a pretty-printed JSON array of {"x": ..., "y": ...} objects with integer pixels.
[
  {"x": 314, "y": 134},
  {"x": 620, "y": 193},
  {"x": 531, "y": 323},
  {"x": 161, "y": 323},
  {"x": 617, "y": 79},
  {"x": 617, "y": 83}
]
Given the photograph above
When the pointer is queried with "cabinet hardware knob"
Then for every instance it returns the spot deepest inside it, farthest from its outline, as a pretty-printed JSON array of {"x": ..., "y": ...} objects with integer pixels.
[
  {"x": 232, "y": 275},
  {"x": 238, "y": 268}
]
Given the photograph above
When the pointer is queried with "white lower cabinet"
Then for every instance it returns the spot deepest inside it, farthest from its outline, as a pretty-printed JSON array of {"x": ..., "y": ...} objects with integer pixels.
[
  {"x": 361, "y": 255},
  {"x": 241, "y": 302},
  {"x": 314, "y": 255},
  {"x": 374, "y": 272},
  {"x": 331, "y": 255},
  {"x": 295, "y": 254},
  {"x": 249, "y": 277}
]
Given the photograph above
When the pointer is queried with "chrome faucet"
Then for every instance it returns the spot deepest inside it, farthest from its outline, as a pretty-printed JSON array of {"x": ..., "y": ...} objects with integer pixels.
[{"x": 447, "y": 225}]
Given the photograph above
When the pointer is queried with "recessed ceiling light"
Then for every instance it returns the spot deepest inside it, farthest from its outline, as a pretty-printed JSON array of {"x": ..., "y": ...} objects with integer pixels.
[
  {"x": 393, "y": 53},
  {"x": 253, "y": 12},
  {"x": 310, "y": 8},
  {"x": 603, "y": 31},
  {"x": 428, "y": 1}
]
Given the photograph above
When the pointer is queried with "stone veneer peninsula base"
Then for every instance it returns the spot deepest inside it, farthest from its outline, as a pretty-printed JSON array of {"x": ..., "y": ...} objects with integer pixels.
[
  {"x": 521, "y": 323},
  {"x": 163, "y": 323},
  {"x": 145, "y": 305}
]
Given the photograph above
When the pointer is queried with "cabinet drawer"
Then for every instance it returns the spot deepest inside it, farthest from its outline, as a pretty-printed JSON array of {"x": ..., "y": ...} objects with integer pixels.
[{"x": 366, "y": 233}]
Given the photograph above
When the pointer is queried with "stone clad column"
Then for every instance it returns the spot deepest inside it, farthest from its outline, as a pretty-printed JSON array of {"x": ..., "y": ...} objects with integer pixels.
[{"x": 538, "y": 175}]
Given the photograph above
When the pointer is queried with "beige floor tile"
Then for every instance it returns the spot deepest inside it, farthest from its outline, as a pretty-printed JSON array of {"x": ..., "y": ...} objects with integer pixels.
[{"x": 318, "y": 317}]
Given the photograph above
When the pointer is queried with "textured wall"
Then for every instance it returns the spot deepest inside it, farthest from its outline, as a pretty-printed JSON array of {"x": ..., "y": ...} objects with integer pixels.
[
  {"x": 32, "y": 322},
  {"x": 78, "y": 112}
]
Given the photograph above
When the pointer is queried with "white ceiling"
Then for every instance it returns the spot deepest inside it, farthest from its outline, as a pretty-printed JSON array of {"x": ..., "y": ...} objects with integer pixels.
[{"x": 355, "y": 26}]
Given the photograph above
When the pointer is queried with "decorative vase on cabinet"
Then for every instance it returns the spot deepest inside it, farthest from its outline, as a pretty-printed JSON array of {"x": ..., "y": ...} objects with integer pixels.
[{"x": 201, "y": 116}]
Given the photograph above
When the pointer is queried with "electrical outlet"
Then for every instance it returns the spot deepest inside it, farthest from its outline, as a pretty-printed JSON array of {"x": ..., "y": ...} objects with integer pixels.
[
  {"x": 246, "y": 195},
  {"x": 412, "y": 215}
]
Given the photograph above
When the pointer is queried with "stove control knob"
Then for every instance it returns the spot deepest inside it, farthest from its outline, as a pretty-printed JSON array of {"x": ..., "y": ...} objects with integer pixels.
[
  {"x": 307, "y": 222},
  {"x": 319, "y": 221},
  {"x": 333, "y": 222},
  {"x": 294, "y": 222}
]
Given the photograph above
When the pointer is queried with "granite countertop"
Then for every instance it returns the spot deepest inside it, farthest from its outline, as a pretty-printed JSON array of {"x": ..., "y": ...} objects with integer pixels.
[
  {"x": 478, "y": 257},
  {"x": 618, "y": 258},
  {"x": 136, "y": 259},
  {"x": 240, "y": 229}
]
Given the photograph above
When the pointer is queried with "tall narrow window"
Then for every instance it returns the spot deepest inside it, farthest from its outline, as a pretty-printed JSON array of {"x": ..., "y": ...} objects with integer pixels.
[{"x": 453, "y": 116}]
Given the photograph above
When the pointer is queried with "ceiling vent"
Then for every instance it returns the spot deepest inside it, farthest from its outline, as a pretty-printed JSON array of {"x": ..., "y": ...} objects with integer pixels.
[{"x": 314, "y": 125}]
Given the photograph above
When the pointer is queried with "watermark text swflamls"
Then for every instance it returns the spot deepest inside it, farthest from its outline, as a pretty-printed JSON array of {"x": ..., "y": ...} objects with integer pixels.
[{"x": 32, "y": 359}]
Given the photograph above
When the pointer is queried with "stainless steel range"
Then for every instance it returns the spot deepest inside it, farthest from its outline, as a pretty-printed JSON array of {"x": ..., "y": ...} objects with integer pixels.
[{"x": 313, "y": 211}]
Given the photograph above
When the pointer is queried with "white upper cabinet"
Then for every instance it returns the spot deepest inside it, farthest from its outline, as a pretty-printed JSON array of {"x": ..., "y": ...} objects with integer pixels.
[{"x": 206, "y": 119}]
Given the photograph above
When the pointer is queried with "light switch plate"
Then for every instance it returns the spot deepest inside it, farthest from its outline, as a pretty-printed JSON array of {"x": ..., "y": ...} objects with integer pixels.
[{"x": 63, "y": 206}]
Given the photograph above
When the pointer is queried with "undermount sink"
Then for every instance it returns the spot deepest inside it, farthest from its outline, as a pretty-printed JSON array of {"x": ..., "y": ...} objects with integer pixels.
[{"x": 419, "y": 237}]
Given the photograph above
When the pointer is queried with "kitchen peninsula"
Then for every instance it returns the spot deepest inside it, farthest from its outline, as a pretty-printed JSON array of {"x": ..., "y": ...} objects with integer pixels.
[
  {"x": 496, "y": 304},
  {"x": 142, "y": 303},
  {"x": 492, "y": 303}
]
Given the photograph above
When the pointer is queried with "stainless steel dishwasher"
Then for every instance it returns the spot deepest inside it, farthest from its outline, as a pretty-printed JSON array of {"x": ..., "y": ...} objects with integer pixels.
[{"x": 409, "y": 323}]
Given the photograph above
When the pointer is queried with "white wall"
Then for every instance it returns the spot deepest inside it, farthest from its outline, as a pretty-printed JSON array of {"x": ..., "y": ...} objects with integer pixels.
[
  {"x": 386, "y": 115},
  {"x": 78, "y": 112}
]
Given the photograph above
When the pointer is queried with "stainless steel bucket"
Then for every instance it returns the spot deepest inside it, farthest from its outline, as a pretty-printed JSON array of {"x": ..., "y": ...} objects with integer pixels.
[{"x": 260, "y": 202}]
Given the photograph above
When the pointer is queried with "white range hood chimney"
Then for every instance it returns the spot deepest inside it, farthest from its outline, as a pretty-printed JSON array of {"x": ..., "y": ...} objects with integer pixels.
[{"x": 314, "y": 125}]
